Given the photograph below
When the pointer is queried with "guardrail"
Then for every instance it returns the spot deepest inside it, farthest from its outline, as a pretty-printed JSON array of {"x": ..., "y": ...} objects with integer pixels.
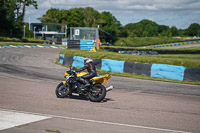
[{"x": 175, "y": 44}]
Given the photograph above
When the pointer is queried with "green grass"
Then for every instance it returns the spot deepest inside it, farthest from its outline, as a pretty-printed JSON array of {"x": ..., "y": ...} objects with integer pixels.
[
  {"x": 20, "y": 39},
  {"x": 52, "y": 131},
  {"x": 187, "y": 60},
  {"x": 23, "y": 43},
  {"x": 144, "y": 41}
]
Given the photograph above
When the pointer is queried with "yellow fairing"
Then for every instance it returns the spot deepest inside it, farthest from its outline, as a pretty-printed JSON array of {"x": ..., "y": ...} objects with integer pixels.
[
  {"x": 79, "y": 74},
  {"x": 102, "y": 79},
  {"x": 99, "y": 79}
]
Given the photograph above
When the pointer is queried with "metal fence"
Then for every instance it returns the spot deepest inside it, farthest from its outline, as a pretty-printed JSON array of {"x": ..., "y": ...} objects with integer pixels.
[{"x": 85, "y": 33}]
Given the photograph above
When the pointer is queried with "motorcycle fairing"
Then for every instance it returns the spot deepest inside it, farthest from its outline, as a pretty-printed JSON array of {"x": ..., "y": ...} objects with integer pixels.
[{"x": 99, "y": 79}]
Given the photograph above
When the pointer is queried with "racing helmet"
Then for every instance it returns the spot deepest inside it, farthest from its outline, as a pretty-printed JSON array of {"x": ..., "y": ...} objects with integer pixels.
[{"x": 88, "y": 60}]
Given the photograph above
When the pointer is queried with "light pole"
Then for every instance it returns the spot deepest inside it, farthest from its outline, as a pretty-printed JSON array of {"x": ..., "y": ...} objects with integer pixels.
[
  {"x": 43, "y": 32},
  {"x": 24, "y": 31},
  {"x": 34, "y": 31}
]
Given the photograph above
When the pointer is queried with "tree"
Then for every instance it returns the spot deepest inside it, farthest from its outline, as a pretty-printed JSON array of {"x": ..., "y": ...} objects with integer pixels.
[
  {"x": 193, "y": 29},
  {"x": 12, "y": 13},
  {"x": 111, "y": 25},
  {"x": 144, "y": 28},
  {"x": 51, "y": 16},
  {"x": 20, "y": 7},
  {"x": 91, "y": 17},
  {"x": 174, "y": 31},
  {"x": 87, "y": 17},
  {"x": 7, "y": 17}
]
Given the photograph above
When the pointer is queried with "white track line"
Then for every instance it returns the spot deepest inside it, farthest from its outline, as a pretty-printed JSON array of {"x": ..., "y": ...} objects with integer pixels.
[
  {"x": 53, "y": 47},
  {"x": 100, "y": 122},
  {"x": 13, "y": 46},
  {"x": 40, "y": 46},
  {"x": 27, "y": 46},
  {"x": 9, "y": 119}
]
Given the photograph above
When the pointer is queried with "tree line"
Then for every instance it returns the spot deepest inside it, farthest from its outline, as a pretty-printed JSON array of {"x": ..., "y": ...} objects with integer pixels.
[
  {"x": 147, "y": 28},
  {"x": 111, "y": 28},
  {"x": 12, "y": 15}
]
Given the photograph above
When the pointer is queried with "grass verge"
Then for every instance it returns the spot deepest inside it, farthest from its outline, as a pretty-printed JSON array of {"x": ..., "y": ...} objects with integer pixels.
[
  {"x": 22, "y": 43},
  {"x": 144, "y": 41}
]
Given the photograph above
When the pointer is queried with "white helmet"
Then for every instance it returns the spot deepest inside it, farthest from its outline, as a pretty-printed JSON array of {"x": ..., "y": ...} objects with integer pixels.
[{"x": 88, "y": 60}]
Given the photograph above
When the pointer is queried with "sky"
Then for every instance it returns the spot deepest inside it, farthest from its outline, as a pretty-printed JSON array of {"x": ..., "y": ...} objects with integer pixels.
[{"x": 179, "y": 13}]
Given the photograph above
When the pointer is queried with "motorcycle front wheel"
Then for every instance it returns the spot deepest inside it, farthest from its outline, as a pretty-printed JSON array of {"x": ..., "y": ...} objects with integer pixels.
[
  {"x": 98, "y": 93},
  {"x": 61, "y": 90}
]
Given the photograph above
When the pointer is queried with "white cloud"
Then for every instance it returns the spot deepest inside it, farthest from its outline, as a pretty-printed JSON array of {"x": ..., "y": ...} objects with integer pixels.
[{"x": 44, "y": 5}]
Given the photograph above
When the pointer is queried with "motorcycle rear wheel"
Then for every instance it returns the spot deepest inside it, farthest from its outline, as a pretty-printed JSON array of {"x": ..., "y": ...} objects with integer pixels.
[
  {"x": 99, "y": 93},
  {"x": 62, "y": 90}
]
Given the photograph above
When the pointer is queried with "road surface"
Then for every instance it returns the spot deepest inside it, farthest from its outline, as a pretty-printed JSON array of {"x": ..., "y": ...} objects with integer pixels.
[{"x": 28, "y": 77}]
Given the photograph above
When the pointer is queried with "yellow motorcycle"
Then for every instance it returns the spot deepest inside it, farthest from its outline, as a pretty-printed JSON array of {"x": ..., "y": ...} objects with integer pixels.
[{"x": 95, "y": 93}]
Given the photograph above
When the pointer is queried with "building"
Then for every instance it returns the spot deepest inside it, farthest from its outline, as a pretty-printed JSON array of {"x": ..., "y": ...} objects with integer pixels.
[{"x": 49, "y": 31}]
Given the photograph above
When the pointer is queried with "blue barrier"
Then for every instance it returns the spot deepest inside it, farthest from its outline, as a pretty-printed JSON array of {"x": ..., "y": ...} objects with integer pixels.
[
  {"x": 6, "y": 47},
  {"x": 61, "y": 47},
  {"x": 86, "y": 44},
  {"x": 167, "y": 71},
  {"x": 46, "y": 46},
  {"x": 78, "y": 61},
  {"x": 20, "y": 46},
  {"x": 61, "y": 58},
  {"x": 154, "y": 70},
  {"x": 112, "y": 65}
]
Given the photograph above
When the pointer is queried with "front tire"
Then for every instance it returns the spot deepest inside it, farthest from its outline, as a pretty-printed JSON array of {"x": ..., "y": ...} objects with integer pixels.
[
  {"x": 99, "y": 93},
  {"x": 62, "y": 90}
]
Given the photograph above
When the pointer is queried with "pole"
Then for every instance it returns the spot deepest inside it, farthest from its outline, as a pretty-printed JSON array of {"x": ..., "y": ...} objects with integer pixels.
[
  {"x": 65, "y": 31},
  {"x": 43, "y": 33},
  {"x": 34, "y": 31},
  {"x": 24, "y": 31},
  {"x": 29, "y": 23}
]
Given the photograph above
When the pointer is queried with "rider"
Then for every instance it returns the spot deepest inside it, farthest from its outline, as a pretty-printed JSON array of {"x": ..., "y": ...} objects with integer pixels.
[{"x": 88, "y": 64}]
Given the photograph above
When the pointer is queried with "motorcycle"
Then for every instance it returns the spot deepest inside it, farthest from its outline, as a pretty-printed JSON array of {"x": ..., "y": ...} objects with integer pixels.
[{"x": 71, "y": 86}]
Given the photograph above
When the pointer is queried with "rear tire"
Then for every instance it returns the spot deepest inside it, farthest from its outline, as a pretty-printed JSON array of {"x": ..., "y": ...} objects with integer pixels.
[
  {"x": 99, "y": 93},
  {"x": 62, "y": 90}
]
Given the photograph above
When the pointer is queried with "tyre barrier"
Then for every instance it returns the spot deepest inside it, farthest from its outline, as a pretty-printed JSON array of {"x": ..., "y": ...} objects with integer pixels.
[
  {"x": 149, "y": 51},
  {"x": 175, "y": 44},
  {"x": 152, "y": 70}
]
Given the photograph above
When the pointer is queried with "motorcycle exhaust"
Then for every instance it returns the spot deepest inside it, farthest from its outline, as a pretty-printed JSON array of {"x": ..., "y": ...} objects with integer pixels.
[{"x": 109, "y": 88}]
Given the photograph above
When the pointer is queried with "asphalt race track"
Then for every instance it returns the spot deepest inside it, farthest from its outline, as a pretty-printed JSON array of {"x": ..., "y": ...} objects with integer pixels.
[{"x": 28, "y": 104}]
